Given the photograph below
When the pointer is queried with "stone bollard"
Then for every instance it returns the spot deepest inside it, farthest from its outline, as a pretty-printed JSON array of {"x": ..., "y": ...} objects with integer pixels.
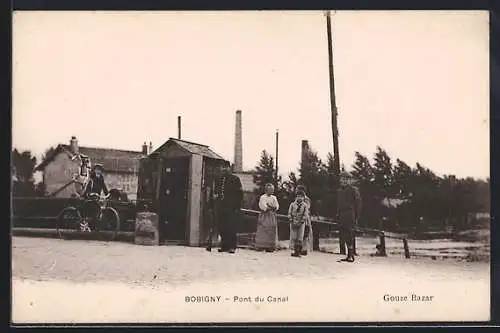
[{"x": 146, "y": 229}]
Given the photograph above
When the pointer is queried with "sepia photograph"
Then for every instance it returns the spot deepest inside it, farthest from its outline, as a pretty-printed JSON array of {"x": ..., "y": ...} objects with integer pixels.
[{"x": 172, "y": 167}]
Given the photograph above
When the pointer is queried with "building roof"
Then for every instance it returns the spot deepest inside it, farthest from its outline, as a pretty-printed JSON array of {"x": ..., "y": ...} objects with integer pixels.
[
  {"x": 192, "y": 148},
  {"x": 113, "y": 160}
]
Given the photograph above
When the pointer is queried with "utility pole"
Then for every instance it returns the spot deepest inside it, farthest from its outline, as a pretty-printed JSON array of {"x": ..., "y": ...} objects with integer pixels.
[
  {"x": 277, "y": 140},
  {"x": 333, "y": 108},
  {"x": 333, "y": 104}
]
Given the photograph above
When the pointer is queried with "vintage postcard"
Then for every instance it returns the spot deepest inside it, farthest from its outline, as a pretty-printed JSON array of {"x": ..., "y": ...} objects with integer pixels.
[{"x": 250, "y": 167}]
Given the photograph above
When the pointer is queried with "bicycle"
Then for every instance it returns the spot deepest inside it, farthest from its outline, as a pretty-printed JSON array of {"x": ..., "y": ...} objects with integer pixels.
[{"x": 91, "y": 214}]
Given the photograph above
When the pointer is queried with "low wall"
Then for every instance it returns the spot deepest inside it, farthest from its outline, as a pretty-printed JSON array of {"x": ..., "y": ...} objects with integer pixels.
[
  {"x": 39, "y": 206},
  {"x": 42, "y": 212}
]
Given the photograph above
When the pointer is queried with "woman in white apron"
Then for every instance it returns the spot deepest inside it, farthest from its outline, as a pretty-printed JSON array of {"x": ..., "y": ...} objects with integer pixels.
[{"x": 266, "y": 237}]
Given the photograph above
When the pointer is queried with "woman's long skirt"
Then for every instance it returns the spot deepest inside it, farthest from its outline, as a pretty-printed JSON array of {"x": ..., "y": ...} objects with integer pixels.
[{"x": 266, "y": 237}]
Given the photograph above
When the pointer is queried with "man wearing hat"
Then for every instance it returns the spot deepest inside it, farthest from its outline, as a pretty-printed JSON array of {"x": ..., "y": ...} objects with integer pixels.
[
  {"x": 96, "y": 182},
  {"x": 228, "y": 197},
  {"x": 348, "y": 212}
]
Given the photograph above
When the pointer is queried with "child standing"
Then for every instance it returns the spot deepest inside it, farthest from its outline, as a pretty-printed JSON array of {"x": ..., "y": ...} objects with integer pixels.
[
  {"x": 307, "y": 243},
  {"x": 298, "y": 216}
]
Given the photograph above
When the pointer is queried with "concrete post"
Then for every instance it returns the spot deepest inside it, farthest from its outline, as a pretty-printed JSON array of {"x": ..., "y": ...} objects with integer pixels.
[{"x": 146, "y": 229}]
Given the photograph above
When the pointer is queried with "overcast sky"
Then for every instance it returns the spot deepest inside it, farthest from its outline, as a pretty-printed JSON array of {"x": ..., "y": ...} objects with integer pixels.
[{"x": 416, "y": 83}]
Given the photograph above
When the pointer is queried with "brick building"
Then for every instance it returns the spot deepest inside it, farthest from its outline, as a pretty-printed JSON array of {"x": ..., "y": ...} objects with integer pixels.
[{"x": 64, "y": 162}]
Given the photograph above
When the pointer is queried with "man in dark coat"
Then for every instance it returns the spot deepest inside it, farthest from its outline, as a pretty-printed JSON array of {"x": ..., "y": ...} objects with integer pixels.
[
  {"x": 348, "y": 212},
  {"x": 91, "y": 207},
  {"x": 228, "y": 196},
  {"x": 96, "y": 182}
]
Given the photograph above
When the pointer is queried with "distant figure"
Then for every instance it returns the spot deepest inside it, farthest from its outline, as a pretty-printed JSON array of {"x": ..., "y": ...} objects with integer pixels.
[
  {"x": 308, "y": 233},
  {"x": 419, "y": 226},
  {"x": 13, "y": 173},
  {"x": 228, "y": 199},
  {"x": 266, "y": 237},
  {"x": 297, "y": 215},
  {"x": 96, "y": 182},
  {"x": 348, "y": 212}
]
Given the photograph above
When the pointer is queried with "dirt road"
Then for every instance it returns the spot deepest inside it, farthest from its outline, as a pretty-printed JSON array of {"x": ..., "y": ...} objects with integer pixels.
[{"x": 83, "y": 282}]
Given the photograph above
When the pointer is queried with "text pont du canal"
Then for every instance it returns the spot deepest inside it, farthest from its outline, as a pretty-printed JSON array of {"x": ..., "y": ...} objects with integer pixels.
[{"x": 236, "y": 299}]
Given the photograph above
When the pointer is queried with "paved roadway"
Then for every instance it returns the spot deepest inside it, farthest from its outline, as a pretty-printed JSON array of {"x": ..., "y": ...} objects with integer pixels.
[{"x": 89, "y": 281}]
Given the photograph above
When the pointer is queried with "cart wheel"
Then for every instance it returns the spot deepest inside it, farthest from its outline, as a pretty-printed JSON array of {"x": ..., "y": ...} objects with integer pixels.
[
  {"x": 68, "y": 218},
  {"x": 110, "y": 220}
]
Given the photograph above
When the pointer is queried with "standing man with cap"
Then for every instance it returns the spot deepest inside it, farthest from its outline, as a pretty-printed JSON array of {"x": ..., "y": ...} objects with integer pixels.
[
  {"x": 348, "y": 212},
  {"x": 91, "y": 194},
  {"x": 228, "y": 198},
  {"x": 96, "y": 182}
]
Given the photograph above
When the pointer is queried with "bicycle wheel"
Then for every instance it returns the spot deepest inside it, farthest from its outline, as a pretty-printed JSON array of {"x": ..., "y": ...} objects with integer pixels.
[
  {"x": 68, "y": 218},
  {"x": 110, "y": 220}
]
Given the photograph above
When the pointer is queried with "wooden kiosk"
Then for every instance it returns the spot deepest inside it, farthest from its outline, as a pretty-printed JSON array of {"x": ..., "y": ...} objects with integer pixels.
[{"x": 174, "y": 181}]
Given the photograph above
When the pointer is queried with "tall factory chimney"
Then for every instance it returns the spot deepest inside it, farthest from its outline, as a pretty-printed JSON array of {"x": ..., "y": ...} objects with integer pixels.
[
  {"x": 238, "y": 144},
  {"x": 179, "y": 127}
]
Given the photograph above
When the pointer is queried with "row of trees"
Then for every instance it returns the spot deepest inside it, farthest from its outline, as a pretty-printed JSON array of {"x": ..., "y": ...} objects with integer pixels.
[
  {"x": 22, "y": 168},
  {"x": 394, "y": 192}
]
